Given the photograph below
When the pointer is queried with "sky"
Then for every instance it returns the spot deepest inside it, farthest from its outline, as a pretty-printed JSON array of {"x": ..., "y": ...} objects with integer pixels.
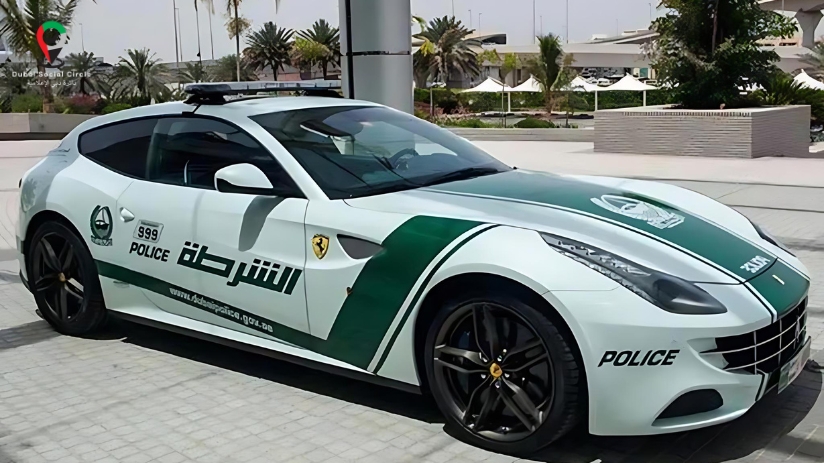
[{"x": 109, "y": 27}]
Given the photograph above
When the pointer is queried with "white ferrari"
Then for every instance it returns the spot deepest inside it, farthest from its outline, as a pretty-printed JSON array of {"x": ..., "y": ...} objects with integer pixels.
[{"x": 368, "y": 242}]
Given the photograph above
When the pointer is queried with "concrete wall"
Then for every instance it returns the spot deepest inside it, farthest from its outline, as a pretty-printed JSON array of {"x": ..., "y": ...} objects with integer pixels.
[
  {"x": 37, "y": 126},
  {"x": 747, "y": 133}
]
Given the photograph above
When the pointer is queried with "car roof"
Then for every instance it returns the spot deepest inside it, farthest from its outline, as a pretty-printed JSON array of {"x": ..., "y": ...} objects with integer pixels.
[{"x": 246, "y": 107}]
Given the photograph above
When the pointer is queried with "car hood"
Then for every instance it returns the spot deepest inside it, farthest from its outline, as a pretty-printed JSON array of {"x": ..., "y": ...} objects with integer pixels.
[{"x": 660, "y": 226}]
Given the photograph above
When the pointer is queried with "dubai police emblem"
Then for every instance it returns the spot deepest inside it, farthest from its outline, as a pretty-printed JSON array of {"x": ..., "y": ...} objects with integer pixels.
[{"x": 640, "y": 210}]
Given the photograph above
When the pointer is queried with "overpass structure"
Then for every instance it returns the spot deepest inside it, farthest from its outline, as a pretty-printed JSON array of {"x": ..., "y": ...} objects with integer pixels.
[{"x": 807, "y": 13}]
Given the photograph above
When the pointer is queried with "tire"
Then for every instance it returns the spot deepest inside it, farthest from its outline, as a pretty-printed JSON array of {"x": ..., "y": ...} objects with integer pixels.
[
  {"x": 475, "y": 408},
  {"x": 63, "y": 277}
]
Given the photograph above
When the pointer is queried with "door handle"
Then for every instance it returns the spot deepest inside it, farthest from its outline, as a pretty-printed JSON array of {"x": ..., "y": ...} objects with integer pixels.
[{"x": 126, "y": 215}]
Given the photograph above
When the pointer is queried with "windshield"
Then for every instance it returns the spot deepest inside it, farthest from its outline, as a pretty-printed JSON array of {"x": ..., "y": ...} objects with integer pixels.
[{"x": 353, "y": 151}]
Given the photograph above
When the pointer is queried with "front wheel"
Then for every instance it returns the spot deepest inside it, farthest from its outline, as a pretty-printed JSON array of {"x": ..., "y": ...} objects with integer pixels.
[
  {"x": 63, "y": 278},
  {"x": 502, "y": 374}
]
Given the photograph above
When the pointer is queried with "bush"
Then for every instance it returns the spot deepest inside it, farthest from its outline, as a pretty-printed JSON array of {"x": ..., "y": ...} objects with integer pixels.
[
  {"x": 115, "y": 107},
  {"x": 82, "y": 104},
  {"x": 27, "y": 103},
  {"x": 469, "y": 124},
  {"x": 532, "y": 123}
]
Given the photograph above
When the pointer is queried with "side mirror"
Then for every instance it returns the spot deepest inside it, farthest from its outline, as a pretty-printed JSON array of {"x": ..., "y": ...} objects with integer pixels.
[{"x": 243, "y": 178}]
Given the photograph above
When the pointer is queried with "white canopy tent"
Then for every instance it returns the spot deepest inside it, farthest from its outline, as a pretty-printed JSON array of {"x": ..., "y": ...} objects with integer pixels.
[
  {"x": 630, "y": 84},
  {"x": 491, "y": 85},
  {"x": 578, "y": 84},
  {"x": 808, "y": 81},
  {"x": 531, "y": 85}
]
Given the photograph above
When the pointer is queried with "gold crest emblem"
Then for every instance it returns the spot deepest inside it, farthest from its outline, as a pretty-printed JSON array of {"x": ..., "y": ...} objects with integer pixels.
[{"x": 320, "y": 244}]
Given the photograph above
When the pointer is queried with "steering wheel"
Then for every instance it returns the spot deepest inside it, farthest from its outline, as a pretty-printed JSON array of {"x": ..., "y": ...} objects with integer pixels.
[{"x": 396, "y": 158}]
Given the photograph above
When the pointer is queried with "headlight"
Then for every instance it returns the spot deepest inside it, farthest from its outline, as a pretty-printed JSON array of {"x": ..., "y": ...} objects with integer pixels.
[
  {"x": 668, "y": 292},
  {"x": 770, "y": 239}
]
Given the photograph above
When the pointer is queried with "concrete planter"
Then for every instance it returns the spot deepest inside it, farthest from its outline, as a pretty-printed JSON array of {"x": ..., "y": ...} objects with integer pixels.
[
  {"x": 578, "y": 135},
  {"x": 36, "y": 126},
  {"x": 745, "y": 133}
]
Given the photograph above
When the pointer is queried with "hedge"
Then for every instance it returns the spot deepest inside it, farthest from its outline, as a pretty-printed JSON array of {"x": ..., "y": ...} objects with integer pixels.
[{"x": 449, "y": 100}]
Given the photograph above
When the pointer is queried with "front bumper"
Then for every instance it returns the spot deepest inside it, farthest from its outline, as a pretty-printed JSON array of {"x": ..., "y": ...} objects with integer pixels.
[{"x": 639, "y": 359}]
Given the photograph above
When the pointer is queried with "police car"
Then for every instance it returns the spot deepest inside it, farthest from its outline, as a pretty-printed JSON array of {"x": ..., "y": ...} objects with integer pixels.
[{"x": 362, "y": 240}]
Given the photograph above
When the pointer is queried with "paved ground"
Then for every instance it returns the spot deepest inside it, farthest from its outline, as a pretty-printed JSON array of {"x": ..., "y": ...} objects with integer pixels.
[{"x": 136, "y": 394}]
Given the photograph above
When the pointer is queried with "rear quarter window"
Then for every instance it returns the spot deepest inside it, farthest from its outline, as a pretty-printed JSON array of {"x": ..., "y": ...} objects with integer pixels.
[{"x": 122, "y": 147}]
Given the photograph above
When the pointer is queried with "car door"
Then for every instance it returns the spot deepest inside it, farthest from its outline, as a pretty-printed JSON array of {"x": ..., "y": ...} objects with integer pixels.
[{"x": 239, "y": 257}]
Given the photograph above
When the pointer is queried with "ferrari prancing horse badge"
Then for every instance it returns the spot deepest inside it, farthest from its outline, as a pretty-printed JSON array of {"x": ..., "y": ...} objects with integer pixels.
[{"x": 320, "y": 244}]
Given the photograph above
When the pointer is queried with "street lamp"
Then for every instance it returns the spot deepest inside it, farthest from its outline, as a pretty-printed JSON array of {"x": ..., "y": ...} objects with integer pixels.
[
  {"x": 82, "y": 40},
  {"x": 470, "y": 19},
  {"x": 479, "y": 21}
]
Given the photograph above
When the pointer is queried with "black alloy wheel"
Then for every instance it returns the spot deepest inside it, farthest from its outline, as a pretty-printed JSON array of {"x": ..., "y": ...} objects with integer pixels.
[
  {"x": 506, "y": 382},
  {"x": 63, "y": 279}
]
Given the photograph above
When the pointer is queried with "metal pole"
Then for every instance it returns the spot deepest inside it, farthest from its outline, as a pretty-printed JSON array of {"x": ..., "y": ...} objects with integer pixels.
[
  {"x": 533, "y": 22},
  {"x": 567, "y": 21},
  {"x": 181, "y": 30},
  {"x": 177, "y": 41},
  {"x": 479, "y": 21},
  {"x": 453, "y": 8},
  {"x": 197, "y": 18},
  {"x": 470, "y": 19},
  {"x": 82, "y": 39},
  {"x": 542, "y": 25},
  {"x": 650, "y": 14}
]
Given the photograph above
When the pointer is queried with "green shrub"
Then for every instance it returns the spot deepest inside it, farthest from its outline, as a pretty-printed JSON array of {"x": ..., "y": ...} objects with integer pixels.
[
  {"x": 82, "y": 104},
  {"x": 115, "y": 107},
  {"x": 27, "y": 103},
  {"x": 469, "y": 124},
  {"x": 532, "y": 123}
]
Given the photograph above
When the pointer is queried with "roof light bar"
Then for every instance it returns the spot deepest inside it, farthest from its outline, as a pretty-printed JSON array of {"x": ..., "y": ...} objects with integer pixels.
[{"x": 250, "y": 88}]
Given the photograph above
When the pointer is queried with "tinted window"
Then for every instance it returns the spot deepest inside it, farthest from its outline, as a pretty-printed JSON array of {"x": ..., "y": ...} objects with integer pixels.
[
  {"x": 121, "y": 147},
  {"x": 359, "y": 151},
  {"x": 189, "y": 151}
]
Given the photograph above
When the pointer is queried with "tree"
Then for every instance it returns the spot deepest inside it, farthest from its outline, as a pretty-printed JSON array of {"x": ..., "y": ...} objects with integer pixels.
[
  {"x": 20, "y": 29},
  {"x": 547, "y": 67},
  {"x": 307, "y": 53},
  {"x": 270, "y": 47},
  {"x": 328, "y": 38},
  {"x": 84, "y": 65},
  {"x": 194, "y": 72},
  {"x": 141, "y": 75},
  {"x": 509, "y": 64},
  {"x": 236, "y": 25},
  {"x": 226, "y": 69},
  {"x": 447, "y": 50},
  {"x": 707, "y": 51}
]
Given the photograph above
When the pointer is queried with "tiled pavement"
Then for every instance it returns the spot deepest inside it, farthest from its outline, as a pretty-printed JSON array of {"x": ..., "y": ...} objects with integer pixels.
[{"x": 136, "y": 394}]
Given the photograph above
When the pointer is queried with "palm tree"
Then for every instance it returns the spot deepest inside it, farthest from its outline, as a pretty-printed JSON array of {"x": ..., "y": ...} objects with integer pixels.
[
  {"x": 141, "y": 74},
  {"x": 547, "y": 66},
  {"x": 236, "y": 25},
  {"x": 329, "y": 38},
  {"x": 448, "y": 49},
  {"x": 15, "y": 78},
  {"x": 20, "y": 28},
  {"x": 84, "y": 65},
  {"x": 815, "y": 61},
  {"x": 226, "y": 69},
  {"x": 270, "y": 47},
  {"x": 195, "y": 72}
]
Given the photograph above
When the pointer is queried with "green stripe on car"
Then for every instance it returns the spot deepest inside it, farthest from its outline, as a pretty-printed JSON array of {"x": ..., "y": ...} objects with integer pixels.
[
  {"x": 705, "y": 240},
  {"x": 781, "y": 286},
  {"x": 377, "y": 295}
]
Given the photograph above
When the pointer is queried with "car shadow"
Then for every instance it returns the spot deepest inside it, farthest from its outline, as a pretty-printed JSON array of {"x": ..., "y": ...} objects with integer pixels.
[
  {"x": 767, "y": 424},
  {"x": 394, "y": 401}
]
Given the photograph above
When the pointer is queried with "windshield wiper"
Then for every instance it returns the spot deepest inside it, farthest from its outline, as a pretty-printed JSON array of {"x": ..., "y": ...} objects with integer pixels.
[{"x": 463, "y": 174}]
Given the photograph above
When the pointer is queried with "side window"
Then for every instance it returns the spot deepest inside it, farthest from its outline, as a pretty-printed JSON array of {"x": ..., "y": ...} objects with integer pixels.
[
  {"x": 189, "y": 151},
  {"x": 121, "y": 147}
]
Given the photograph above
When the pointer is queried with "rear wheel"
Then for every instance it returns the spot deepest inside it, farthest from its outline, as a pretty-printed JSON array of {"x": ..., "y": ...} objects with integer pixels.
[
  {"x": 502, "y": 373},
  {"x": 63, "y": 278}
]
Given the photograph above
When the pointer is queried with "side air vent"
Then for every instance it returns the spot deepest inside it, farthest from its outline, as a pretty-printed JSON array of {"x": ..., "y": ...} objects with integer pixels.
[
  {"x": 357, "y": 248},
  {"x": 693, "y": 402}
]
